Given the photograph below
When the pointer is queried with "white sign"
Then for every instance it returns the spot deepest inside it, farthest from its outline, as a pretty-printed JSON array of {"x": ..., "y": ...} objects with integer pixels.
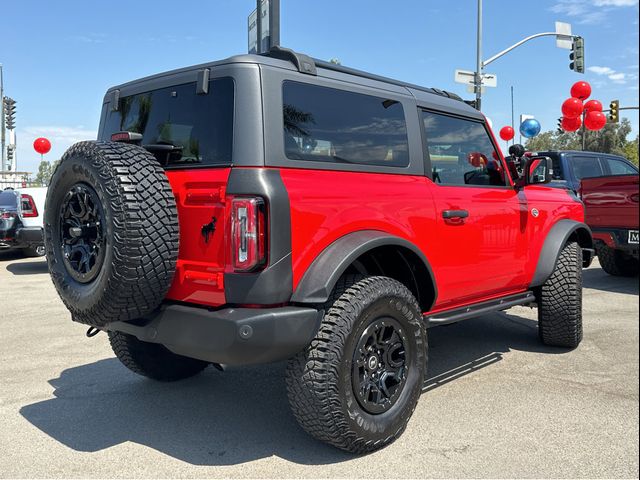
[
  {"x": 564, "y": 39},
  {"x": 468, "y": 78},
  {"x": 524, "y": 117},
  {"x": 252, "y": 23}
]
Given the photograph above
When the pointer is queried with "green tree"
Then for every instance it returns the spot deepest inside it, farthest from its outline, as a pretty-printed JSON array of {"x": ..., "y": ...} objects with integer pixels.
[
  {"x": 611, "y": 139},
  {"x": 45, "y": 170},
  {"x": 631, "y": 150}
]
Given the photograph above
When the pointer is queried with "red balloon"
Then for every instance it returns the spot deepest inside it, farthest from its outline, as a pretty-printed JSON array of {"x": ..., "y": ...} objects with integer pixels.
[
  {"x": 581, "y": 90},
  {"x": 572, "y": 107},
  {"x": 595, "y": 120},
  {"x": 571, "y": 124},
  {"x": 42, "y": 145},
  {"x": 507, "y": 133},
  {"x": 593, "y": 106}
]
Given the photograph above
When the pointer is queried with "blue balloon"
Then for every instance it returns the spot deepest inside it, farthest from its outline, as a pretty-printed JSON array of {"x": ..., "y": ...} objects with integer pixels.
[{"x": 530, "y": 128}]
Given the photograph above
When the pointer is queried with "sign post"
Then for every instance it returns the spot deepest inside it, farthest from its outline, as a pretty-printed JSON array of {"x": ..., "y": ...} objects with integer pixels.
[{"x": 264, "y": 29}]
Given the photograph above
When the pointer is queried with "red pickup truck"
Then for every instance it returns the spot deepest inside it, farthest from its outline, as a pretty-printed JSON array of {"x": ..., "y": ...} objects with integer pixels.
[{"x": 611, "y": 210}]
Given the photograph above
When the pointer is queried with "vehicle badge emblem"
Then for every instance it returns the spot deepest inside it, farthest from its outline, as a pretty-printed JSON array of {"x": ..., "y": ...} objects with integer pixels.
[{"x": 535, "y": 212}]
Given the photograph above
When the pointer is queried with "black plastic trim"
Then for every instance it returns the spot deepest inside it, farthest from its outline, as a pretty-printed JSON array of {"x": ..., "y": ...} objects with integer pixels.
[
  {"x": 471, "y": 311},
  {"x": 233, "y": 336},
  {"x": 30, "y": 235},
  {"x": 553, "y": 244},
  {"x": 323, "y": 274},
  {"x": 274, "y": 284}
]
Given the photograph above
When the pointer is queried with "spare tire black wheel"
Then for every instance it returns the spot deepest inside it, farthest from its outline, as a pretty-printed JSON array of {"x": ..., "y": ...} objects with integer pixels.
[{"x": 111, "y": 232}]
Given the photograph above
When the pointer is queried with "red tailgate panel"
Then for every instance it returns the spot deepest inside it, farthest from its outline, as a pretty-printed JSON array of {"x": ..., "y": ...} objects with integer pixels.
[{"x": 200, "y": 196}]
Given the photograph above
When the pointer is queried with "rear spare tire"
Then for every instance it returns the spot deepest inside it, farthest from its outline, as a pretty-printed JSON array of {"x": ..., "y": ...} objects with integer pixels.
[{"x": 111, "y": 232}]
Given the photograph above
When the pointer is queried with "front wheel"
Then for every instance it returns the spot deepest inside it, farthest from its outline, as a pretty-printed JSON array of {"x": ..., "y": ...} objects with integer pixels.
[
  {"x": 560, "y": 301},
  {"x": 356, "y": 385}
]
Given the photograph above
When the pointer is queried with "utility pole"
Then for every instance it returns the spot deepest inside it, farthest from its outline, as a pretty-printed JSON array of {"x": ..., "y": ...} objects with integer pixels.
[
  {"x": 479, "y": 66},
  {"x": 2, "y": 117}
]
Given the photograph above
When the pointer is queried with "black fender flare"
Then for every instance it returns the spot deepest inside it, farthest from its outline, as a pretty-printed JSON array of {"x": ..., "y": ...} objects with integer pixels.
[
  {"x": 322, "y": 275},
  {"x": 554, "y": 242}
]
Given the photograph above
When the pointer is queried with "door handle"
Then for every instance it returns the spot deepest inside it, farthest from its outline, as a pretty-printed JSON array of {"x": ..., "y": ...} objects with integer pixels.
[{"x": 452, "y": 214}]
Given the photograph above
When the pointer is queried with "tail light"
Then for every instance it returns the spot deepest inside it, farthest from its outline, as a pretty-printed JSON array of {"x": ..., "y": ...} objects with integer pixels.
[
  {"x": 28, "y": 206},
  {"x": 248, "y": 233}
]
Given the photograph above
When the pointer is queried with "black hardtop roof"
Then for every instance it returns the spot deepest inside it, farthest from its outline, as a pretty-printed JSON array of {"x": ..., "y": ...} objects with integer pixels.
[{"x": 325, "y": 68}]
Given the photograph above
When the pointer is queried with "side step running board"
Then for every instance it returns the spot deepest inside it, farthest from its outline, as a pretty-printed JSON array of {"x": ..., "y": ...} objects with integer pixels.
[{"x": 471, "y": 311}]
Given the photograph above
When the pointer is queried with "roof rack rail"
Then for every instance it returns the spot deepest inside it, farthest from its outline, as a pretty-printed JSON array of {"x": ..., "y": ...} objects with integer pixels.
[
  {"x": 306, "y": 64},
  {"x": 303, "y": 63}
]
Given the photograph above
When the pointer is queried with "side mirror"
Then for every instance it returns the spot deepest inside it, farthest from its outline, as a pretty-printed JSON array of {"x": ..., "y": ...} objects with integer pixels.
[{"x": 538, "y": 170}]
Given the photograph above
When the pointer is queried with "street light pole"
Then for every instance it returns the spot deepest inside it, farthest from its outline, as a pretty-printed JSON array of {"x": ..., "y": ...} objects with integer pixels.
[
  {"x": 479, "y": 66},
  {"x": 2, "y": 117}
]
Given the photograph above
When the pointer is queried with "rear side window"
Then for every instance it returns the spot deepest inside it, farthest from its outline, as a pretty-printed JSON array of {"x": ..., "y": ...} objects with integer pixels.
[
  {"x": 586, "y": 167},
  {"x": 461, "y": 152},
  {"x": 8, "y": 199},
  {"x": 329, "y": 125},
  {"x": 199, "y": 127},
  {"x": 618, "y": 167}
]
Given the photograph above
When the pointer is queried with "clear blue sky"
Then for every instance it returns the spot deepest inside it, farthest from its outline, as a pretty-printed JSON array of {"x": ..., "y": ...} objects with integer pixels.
[{"x": 60, "y": 56}]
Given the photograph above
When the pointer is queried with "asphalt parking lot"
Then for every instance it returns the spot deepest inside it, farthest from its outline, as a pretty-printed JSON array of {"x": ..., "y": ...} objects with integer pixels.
[{"x": 496, "y": 404}]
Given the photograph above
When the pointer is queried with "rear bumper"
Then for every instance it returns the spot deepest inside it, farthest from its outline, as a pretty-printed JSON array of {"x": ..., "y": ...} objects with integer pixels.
[
  {"x": 30, "y": 236},
  {"x": 232, "y": 336},
  {"x": 616, "y": 238}
]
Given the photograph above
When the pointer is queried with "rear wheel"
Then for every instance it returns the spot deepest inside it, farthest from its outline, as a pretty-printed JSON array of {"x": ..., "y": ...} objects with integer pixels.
[
  {"x": 560, "y": 301},
  {"x": 615, "y": 262},
  {"x": 153, "y": 360},
  {"x": 358, "y": 382}
]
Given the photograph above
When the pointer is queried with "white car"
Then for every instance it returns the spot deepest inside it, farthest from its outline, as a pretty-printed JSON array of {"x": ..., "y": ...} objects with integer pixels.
[{"x": 31, "y": 212}]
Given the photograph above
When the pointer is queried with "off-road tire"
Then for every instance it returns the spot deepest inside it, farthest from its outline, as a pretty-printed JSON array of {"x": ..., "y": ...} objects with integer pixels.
[
  {"x": 153, "y": 360},
  {"x": 319, "y": 378},
  {"x": 615, "y": 262},
  {"x": 141, "y": 232},
  {"x": 560, "y": 301}
]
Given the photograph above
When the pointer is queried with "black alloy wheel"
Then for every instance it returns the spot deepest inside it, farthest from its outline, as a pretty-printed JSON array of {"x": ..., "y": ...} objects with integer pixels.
[
  {"x": 380, "y": 365},
  {"x": 82, "y": 233}
]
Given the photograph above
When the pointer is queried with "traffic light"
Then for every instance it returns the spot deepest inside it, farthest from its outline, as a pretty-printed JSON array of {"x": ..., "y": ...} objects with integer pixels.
[
  {"x": 577, "y": 55},
  {"x": 560, "y": 129},
  {"x": 9, "y": 155},
  {"x": 614, "y": 111},
  {"x": 9, "y": 112}
]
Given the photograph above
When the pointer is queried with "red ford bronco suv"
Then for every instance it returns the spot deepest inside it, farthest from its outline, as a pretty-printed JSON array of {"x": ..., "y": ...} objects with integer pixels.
[{"x": 273, "y": 207}]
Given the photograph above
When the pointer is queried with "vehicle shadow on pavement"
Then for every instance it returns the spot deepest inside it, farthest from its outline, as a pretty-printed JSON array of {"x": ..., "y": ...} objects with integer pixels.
[
  {"x": 242, "y": 414},
  {"x": 598, "y": 279},
  {"x": 215, "y": 418},
  {"x": 28, "y": 268},
  {"x": 463, "y": 348},
  {"x": 8, "y": 255}
]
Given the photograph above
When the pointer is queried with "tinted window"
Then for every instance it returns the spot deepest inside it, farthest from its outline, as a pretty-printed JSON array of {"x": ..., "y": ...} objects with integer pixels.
[
  {"x": 199, "y": 126},
  {"x": 461, "y": 152},
  {"x": 329, "y": 125},
  {"x": 8, "y": 199},
  {"x": 618, "y": 167},
  {"x": 586, "y": 167}
]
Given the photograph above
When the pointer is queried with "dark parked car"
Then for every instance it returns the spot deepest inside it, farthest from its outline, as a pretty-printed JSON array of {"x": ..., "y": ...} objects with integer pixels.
[{"x": 570, "y": 167}]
